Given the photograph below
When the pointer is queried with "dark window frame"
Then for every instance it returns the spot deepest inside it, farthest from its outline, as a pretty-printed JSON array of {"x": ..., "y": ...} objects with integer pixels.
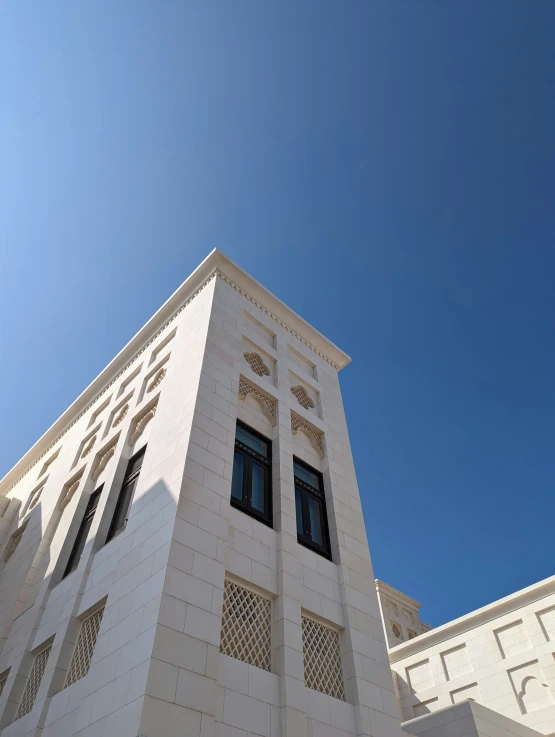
[
  {"x": 307, "y": 491},
  {"x": 83, "y": 532},
  {"x": 125, "y": 496},
  {"x": 249, "y": 455}
]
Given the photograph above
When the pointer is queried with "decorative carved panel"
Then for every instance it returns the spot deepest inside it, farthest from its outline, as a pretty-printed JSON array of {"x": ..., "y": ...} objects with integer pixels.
[
  {"x": 315, "y": 436},
  {"x": 267, "y": 403}
]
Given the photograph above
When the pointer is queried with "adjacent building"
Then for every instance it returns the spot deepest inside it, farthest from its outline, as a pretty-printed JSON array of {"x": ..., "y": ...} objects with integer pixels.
[
  {"x": 183, "y": 551},
  {"x": 400, "y": 615},
  {"x": 501, "y": 656}
]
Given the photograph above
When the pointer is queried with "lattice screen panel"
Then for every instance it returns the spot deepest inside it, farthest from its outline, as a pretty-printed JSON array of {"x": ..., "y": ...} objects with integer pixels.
[
  {"x": 3, "y": 684},
  {"x": 267, "y": 403},
  {"x": 157, "y": 380},
  {"x": 121, "y": 415},
  {"x": 300, "y": 394},
  {"x": 322, "y": 659},
  {"x": 32, "y": 687},
  {"x": 246, "y": 626},
  {"x": 142, "y": 421},
  {"x": 14, "y": 541},
  {"x": 87, "y": 449},
  {"x": 257, "y": 364},
  {"x": 82, "y": 656},
  {"x": 315, "y": 436}
]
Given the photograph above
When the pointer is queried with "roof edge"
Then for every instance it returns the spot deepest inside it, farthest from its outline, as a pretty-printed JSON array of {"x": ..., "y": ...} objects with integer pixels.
[
  {"x": 382, "y": 586},
  {"x": 469, "y": 621},
  {"x": 216, "y": 263}
]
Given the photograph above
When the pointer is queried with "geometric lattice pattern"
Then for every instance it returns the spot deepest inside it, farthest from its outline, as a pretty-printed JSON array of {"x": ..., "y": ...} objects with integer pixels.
[
  {"x": 121, "y": 415},
  {"x": 257, "y": 364},
  {"x": 49, "y": 462},
  {"x": 2, "y": 684},
  {"x": 246, "y": 626},
  {"x": 70, "y": 490},
  {"x": 33, "y": 683},
  {"x": 157, "y": 380},
  {"x": 103, "y": 458},
  {"x": 82, "y": 655},
  {"x": 315, "y": 436},
  {"x": 14, "y": 541},
  {"x": 88, "y": 447},
  {"x": 35, "y": 496},
  {"x": 267, "y": 403},
  {"x": 322, "y": 659},
  {"x": 299, "y": 392},
  {"x": 142, "y": 421}
]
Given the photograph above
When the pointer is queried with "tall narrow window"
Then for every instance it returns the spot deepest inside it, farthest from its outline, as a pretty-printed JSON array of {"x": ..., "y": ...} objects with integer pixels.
[
  {"x": 84, "y": 527},
  {"x": 251, "y": 486},
  {"x": 126, "y": 494},
  {"x": 310, "y": 505},
  {"x": 33, "y": 683}
]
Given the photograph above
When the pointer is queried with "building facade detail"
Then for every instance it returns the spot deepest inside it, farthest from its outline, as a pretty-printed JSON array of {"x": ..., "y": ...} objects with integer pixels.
[
  {"x": 103, "y": 459},
  {"x": 322, "y": 659},
  {"x": 140, "y": 423},
  {"x": 157, "y": 380},
  {"x": 266, "y": 401},
  {"x": 246, "y": 626},
  {"x": 69, "y": 490},
  {"x": 205, "y": 572},
  {"x": 300, "y": 394},
  {"x": 88, "y": 447},
  {"x": 315, "y": 436},
  {"x": 171, "y": 611},
  {"x": 257, "y": 364},
  {"x": 84, "y": 649},
  {"x": 501, "y": 656},
  {"x": 121, "y": 415}
]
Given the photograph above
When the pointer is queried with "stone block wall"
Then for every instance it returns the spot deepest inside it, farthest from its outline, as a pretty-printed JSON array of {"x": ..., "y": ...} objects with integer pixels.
[
  {"x": 158, "y": 586},
  {"x": 501, "y": 656}
]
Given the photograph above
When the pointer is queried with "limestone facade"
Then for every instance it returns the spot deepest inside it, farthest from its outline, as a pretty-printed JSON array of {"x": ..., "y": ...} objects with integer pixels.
[
  {"x": 501, "y": 656},
  {"x": 135, "y": 599},
  {"x": 400, "y": 615}
]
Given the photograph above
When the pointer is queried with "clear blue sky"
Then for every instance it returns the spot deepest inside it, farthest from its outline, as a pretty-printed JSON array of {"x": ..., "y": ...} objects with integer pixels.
[{"x": 387, "y": 168}]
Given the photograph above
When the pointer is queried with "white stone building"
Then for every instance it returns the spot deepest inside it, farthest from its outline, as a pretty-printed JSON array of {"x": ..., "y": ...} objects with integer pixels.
[
  {"x": 400, "y": 615},
  {"x": 183, "y": 552},
  {"x": 501, "y": 656}
]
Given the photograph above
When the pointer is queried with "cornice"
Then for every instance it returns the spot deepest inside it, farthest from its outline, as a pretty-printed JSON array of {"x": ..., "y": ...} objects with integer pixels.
[
  {"x": 215, "y": 265},
  {"x": 388, "y": 590},
  {"x": 280, "y": 322},
  {"x": 6, "y": 480},
  {"x": 456, "y": 627}
]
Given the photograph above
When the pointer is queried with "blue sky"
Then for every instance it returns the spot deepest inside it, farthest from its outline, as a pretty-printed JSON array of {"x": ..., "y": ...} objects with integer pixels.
[{"x": 387, "y": 168}]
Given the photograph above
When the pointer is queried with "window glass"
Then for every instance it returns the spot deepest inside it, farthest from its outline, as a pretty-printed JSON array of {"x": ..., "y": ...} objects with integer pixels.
[
  {"x": 238, "y": 471},
  {"x": 310, "y": 508},
  {"x": 251, "y": 480},
  {"x": 305, "y": 474},
  {"x": 82, "y": 534},
  {"x": 252, "y": 441},
  {"x": 257, "y": 490},
  {"x": 299, "y": 510},
  {"x": 135, "y": 464},
  {"x": 119, "y": 520},
  {"x": 315, "y": 521}
]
